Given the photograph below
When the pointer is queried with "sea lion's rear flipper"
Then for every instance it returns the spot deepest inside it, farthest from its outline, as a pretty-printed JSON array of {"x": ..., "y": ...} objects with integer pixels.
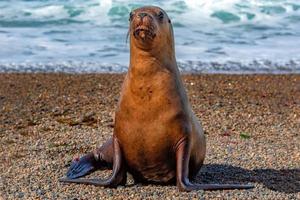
[
  {"x": 182, "y": 172},
  {"x": 118, "y": 173},
  {"x": 82, "y": 166},
  {"x": 101, "y": 158}
]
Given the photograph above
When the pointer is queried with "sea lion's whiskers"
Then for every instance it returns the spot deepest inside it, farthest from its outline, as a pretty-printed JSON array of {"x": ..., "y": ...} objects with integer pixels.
[{"x": 127, "y": 36}]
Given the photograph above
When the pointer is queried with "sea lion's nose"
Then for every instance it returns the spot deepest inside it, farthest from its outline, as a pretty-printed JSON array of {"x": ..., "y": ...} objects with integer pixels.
[{"x": 142, "y": 15}]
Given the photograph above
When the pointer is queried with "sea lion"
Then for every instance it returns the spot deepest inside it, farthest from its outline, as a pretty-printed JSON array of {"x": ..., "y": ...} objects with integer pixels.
[{"x": 157, "y": 138}]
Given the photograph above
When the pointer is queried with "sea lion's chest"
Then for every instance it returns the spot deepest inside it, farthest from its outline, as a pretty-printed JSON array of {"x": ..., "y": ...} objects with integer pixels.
[{"x": 148, "y": 125}]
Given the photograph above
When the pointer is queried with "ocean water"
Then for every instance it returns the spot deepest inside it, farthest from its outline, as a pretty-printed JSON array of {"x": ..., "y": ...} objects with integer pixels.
[{"x": 215, "y": 36}]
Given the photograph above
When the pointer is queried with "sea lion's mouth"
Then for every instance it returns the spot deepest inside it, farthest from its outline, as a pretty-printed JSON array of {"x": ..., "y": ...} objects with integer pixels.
[{"x": 144, "y": 32}]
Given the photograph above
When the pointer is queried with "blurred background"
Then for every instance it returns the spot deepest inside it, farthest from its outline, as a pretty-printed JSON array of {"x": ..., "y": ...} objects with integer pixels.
[{"x": 216, "y": 36}]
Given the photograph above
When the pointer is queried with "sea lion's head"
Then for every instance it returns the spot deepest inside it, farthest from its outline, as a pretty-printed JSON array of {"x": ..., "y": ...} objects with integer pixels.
[{"x": 150, "y": 28}]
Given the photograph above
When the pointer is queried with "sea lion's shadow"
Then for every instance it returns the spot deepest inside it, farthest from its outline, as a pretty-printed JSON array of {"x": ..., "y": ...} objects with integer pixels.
[{"x": 283, "y": 180}]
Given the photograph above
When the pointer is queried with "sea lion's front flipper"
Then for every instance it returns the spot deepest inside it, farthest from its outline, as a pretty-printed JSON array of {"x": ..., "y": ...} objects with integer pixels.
[
  {"x": 118, "y": 174},
  {"x": 101, "y": 158},
  {"x": 182, "y": 172},
  {"x": 82, "y": 166}
]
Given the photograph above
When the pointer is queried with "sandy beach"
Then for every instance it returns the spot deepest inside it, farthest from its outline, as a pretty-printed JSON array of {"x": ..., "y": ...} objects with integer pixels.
[{"x": 252, "y": 124}]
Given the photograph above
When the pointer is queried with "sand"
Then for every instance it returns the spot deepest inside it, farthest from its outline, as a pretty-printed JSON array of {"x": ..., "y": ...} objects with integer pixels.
[{"x": 252, "y": 123}]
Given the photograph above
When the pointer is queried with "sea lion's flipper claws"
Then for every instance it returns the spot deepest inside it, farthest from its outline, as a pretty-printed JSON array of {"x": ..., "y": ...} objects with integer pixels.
[
  {"x": 182, "y": 172},
  {"x": 118, "y": 174},
  {"x": 82, "y": 167}
]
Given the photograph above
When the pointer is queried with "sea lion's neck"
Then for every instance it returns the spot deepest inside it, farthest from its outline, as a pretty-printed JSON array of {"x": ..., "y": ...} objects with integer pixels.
[{"x": 147, "y": 62}]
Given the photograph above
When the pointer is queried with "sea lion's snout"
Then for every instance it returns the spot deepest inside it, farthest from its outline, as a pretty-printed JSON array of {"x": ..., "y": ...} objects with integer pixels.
[
  {"x": 144, "y": 33},
  {"x": 143, "y": 25}
]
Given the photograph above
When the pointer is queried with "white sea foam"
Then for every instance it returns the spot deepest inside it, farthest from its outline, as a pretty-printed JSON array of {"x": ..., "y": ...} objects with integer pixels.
[
  {"x": 98, "y": 13},
  {"x": 53, "y": 11}
]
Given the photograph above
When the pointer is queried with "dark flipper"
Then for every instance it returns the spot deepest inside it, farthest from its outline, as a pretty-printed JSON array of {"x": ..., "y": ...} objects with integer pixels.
[
  {"x": 118, "y": 174},
  {"x": 182, "y": 172},
  {"x": 101, "y": 158},
  {"x": 82, "y": 167}
]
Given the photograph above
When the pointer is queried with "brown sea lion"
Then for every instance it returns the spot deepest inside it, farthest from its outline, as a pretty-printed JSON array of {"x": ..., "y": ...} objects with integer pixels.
[{"x": 156, "y": 137}]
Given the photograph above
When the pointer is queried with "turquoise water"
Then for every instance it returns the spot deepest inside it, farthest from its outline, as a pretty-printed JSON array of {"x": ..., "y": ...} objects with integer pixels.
[{"x": 227, "y": 36}]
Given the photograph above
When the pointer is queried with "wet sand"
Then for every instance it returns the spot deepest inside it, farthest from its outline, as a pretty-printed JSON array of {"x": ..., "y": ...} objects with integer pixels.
[{"x": 252, "y": 123}]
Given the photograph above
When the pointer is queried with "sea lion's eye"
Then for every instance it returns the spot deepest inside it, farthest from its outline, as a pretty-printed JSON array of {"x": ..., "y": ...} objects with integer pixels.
[
  {"x": 160, "y": 15},
  {"x": 130, "y": 16}
]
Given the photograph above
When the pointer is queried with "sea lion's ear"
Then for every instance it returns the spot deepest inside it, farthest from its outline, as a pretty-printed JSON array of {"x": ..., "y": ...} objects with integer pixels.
[{"x": 169, "y": 21}]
